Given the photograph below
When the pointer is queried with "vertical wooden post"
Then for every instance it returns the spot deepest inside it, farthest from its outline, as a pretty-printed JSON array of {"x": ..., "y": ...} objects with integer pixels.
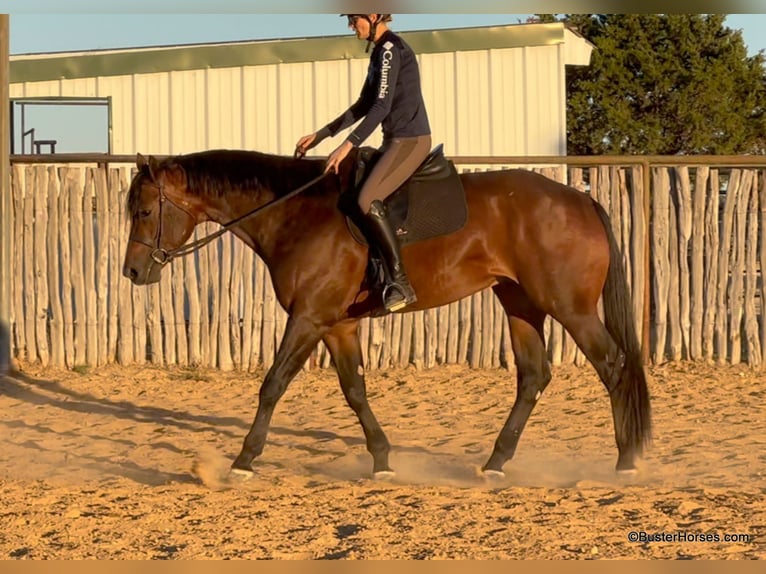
[
  {"x": 647, "y": 318},
  {"x": 5, "y": 203}
]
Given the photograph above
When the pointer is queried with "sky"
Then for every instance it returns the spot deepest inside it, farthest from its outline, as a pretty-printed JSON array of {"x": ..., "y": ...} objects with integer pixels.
[
  {"x": 47, "y": 32},
  {"x": 53, "y": 32}
]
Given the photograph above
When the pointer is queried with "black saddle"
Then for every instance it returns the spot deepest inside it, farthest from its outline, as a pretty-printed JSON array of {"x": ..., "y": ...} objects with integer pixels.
[{"x": 429, "y": 204}]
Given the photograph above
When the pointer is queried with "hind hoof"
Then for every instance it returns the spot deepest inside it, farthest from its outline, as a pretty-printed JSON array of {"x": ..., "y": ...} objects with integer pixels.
[
  {"x": 384, "y": 475},
  {"x": 240, "y": 474},
  {"x": 493, "y": 475},
  {"x": 627, "y": 471}
]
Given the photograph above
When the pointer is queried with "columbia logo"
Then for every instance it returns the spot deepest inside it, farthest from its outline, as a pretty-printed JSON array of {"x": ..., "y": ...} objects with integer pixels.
[{"x": 385, "y": 61}]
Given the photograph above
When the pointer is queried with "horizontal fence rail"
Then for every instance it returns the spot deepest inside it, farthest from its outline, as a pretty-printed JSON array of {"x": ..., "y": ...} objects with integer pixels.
[{"x": 691, "y": 230}]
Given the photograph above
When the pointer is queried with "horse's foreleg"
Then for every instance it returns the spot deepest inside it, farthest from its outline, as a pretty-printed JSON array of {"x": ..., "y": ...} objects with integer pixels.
[
  {"x": 343, "y": 344},
  {"x": 533, "y": 371},
  {"x": 300, "y": 338}
]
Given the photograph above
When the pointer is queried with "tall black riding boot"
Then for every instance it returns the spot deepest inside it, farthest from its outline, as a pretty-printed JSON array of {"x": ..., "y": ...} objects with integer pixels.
[{"x": 398, "y": 292}]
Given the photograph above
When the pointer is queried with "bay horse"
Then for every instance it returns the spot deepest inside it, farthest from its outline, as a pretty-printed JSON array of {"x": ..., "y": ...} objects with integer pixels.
[{"x": 543, "y": 247}]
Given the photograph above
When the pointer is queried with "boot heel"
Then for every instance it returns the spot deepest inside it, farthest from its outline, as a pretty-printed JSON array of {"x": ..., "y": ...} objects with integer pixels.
[{"x": 406, "y": 297}]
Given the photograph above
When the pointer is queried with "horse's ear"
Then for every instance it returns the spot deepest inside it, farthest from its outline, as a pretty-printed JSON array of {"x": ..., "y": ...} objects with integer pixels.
[{"x": 149, "y": 163}]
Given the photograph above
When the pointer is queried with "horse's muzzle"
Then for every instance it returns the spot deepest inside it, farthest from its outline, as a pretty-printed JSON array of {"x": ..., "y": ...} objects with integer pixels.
[{"x": 137, "y": 278}]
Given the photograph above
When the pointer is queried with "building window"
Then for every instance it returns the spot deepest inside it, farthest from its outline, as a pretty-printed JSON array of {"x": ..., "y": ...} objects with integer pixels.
[{"x": 60, "y": 125}]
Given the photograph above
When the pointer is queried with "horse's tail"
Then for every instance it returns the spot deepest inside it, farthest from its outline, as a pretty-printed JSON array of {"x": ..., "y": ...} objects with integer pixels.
[{"x": 631, "y": 396}]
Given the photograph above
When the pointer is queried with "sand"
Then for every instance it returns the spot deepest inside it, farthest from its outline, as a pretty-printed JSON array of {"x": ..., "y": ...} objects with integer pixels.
[{"x": 132, "y": 463}]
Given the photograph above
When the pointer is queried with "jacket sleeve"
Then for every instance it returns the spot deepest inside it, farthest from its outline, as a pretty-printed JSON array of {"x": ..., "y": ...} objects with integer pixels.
[
  {"x": 383, "y": 95},
  {"x": 352, "y": 115}
]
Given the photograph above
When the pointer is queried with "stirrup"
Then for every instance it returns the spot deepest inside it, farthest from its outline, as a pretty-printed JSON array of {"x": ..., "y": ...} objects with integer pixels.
[{"x": 408, "y": 296}]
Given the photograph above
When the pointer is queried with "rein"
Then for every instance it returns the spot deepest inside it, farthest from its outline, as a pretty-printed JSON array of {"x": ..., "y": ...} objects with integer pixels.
[{"x": 163, "y": 256}]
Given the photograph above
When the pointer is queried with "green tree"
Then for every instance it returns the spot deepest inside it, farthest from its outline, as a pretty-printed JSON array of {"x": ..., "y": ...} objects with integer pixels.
[{"x": 664, "y": 84}]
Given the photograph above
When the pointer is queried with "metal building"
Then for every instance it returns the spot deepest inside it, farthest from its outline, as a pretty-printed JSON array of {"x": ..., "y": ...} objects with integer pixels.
[{"x": 489, "y": 91}]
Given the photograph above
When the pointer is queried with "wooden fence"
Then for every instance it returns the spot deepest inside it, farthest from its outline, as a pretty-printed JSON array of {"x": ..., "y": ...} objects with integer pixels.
[{"x": 693, "y": 267}]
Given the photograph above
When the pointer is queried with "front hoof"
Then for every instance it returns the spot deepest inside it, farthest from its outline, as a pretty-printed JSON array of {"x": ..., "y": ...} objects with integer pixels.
[
  {"x": 626, "y": 465},
  {"x": 384, "y": 475},
  {"x": 627, "y": 472}
]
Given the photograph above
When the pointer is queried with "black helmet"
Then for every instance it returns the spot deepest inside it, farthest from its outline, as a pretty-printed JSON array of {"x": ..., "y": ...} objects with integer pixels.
[
  {"x": 373, "y": 25},
  {"x": 383, "y": 17}
]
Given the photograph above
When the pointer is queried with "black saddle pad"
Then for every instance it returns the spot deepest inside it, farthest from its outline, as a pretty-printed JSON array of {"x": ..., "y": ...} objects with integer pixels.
[{"x": 430, "y": 204}]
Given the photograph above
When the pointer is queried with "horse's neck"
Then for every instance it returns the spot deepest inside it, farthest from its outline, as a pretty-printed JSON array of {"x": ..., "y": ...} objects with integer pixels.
[
  {"x": 275, "y": 177},
  {"x": 274, "y": 226}
]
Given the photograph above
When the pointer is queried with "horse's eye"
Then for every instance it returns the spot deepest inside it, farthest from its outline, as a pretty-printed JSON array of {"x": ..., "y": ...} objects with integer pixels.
[{"x": 144, "y": 213}]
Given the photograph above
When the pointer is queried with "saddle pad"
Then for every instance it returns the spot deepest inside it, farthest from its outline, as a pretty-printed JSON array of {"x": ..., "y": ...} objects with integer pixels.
[{"x": 424, "y": 208}]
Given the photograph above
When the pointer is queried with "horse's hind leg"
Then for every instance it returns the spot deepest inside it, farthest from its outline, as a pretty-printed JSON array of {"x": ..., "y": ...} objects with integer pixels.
[
  {"x": 533, "y": 371},
  {"x": 343, "y": 343},
  {"x": 594, "y": 340}
]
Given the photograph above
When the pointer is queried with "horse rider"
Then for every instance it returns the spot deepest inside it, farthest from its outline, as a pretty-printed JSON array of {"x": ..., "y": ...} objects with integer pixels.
[{"x": 392, "y": 98}]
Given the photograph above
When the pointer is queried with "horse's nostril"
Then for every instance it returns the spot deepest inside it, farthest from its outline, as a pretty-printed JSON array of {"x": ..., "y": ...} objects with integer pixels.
[{"x": 130, "y": 273}]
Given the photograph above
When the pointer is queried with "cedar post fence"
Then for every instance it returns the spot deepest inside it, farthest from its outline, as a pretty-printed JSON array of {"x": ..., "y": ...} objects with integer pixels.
[
  {"x": 5, "y": 203},
  {"x": 692, "y": 230}
]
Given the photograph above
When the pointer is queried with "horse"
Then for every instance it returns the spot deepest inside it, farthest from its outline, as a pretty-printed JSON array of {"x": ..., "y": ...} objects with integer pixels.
[{"x": 543, "y": 247}]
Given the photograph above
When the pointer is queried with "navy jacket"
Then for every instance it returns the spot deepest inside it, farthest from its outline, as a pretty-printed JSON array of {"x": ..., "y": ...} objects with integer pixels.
[{"x": 390, "y": 97}]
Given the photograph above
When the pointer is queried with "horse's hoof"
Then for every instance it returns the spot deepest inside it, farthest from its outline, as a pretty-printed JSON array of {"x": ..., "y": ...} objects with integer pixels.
[
  {"x": 627, "y": 472},
  {"x": 493, "y": 475},
  {"x": 384, "y": 475},
  {"x": 241, "y": 474}
]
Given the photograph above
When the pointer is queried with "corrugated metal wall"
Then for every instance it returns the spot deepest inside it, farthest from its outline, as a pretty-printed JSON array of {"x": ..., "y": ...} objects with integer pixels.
[{"x": 507, "y": 101}]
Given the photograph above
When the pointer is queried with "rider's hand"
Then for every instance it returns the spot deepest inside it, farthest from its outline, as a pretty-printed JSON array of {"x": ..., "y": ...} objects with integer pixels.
[
  {"x": 338, "y": 156},
  {"x": 305, "y": 144}
]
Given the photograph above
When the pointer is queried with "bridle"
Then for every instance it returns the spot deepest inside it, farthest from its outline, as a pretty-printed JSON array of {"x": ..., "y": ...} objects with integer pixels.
[
  {"x": 162, "y": 256},
  {"x": 159, "y": 255}
]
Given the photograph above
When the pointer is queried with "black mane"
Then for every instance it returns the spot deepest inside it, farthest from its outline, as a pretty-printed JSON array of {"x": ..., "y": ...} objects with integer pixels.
[
  {"x": 219, "y": 172},
  {"x": 216, "y": 173}
]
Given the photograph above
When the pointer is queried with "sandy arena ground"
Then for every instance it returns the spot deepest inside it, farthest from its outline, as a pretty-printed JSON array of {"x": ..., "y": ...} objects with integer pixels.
[{"x": 100, "y": 465}]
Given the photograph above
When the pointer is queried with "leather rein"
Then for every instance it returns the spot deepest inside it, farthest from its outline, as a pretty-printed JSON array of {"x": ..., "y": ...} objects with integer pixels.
[{"x": 163, "y": 256}]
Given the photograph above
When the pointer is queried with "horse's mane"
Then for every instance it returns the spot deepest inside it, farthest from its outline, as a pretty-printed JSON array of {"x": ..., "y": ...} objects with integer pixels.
[
  {"x": 219, "y": 172},
  {"x": 216, "y": 173}
]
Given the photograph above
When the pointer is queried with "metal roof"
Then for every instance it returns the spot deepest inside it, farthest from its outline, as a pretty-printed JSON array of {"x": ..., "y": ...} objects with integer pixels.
[{"x": 99, "y": 63}]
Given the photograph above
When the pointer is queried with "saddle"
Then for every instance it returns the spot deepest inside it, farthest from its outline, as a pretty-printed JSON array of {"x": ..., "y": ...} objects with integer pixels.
[{"x": 429, "y": 204}]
